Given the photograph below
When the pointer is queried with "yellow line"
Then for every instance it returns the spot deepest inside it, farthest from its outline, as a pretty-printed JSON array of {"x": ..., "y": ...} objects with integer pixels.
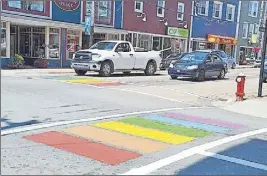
[
  {"x": 144, "y": 132},
  {"x": 85, "y": 81}
]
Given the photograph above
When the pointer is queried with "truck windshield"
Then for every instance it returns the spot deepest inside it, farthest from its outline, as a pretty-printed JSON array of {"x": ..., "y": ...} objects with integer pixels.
[{"x": 104, "y": 45}]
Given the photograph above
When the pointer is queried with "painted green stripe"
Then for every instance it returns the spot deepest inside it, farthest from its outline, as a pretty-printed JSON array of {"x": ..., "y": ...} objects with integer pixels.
[{"x": 190, "y": 132}]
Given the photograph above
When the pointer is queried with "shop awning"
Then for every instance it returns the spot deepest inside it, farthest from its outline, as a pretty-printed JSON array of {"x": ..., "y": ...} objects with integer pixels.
[{"x": 221, "y": 39}]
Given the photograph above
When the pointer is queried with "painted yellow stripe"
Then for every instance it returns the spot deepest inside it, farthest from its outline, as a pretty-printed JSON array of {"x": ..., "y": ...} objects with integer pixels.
[
  {"x": 85, "y": 81},
  {"x": 144, "y": 132},
  {"x": 117, "y": 139}
]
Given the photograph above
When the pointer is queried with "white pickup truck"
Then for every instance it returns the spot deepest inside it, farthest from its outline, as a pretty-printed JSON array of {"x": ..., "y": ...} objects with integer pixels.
[{"x": 107, "y": 57}]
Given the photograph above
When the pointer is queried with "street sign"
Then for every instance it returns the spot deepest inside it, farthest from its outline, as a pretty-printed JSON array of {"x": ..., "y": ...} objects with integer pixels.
[{"x": 262, "y": 29}]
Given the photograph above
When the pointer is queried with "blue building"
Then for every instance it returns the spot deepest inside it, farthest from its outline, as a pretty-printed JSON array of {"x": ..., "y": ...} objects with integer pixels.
[
  {"x": 56, "y": 28},
  {"x": 214, "y": 25}
]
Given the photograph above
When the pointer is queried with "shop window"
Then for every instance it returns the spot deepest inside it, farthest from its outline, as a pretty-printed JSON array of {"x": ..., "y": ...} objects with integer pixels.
[
  {"x": 245, "y": 30},
  {"x": 157, "y": 43},
  {"x": 88, "y": 11},
  {"x": 230, "y": 12},
  {"x": 217, "y": 9},
  {"x": 54, "y": 35},
  {"x": 104, "y": 11},
  {"x": 138, "y": 6},
  {"x": 144, "y": 41},
  {"x": 253, "y": 7},
  {"x": 160, "y": 8},
  {"x": 113, "y": 37},
  {"x": 203, "y": 7},
  {"x": 3, "y": 39},
  {"x": 256, "y": 29},
  {"x": 122, "y": 37},
  {"x": 73, "y": 40},
  {"x": 180, "y": 11},
  {"x": 134, "y": 40},
  {"x": 38, "y": 42}
]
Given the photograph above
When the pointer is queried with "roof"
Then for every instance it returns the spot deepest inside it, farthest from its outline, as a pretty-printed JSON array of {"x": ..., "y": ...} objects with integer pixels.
[{"x": 207, "y": 50}]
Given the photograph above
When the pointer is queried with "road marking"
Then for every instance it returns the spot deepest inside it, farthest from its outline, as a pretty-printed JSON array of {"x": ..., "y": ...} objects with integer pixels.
[
  {"x": 173, "y": 121},
  {"x": 146, "y": 133},
  {"x": 48, "y": 125},
  {"x": 129, "y": 142},
  {"x": 147, "y": 169},
  {"x": 153, "y": 95},
  {"x": 234, "y": 160},
  {"x": 83, "y": 147}
]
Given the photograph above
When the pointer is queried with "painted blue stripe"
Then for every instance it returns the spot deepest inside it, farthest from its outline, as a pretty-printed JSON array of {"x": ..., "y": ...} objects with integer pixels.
[{"x": 185, "y": 123}]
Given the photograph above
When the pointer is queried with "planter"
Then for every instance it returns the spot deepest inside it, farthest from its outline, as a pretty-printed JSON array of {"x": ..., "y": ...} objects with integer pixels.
[{"x": 41, "y": 63}]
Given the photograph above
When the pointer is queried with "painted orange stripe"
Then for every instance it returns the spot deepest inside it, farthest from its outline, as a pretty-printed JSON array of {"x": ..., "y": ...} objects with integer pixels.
[
  {"x": 83, "y": 147},
  {"x": 118, "y": 139}
]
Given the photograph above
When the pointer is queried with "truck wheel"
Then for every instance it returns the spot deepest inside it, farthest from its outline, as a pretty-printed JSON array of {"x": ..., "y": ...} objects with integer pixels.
[
  {"x": 105, "y": 69},
  {"x": 150, "y": 69},
  {"x": 80, "y": 72},
  {"x": 126, "y": 73}
]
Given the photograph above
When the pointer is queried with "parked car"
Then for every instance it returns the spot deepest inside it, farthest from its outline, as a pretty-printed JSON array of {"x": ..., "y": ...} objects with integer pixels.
[
  {"x": 198, "y": 65},
  {"x": 170, "y": 58},
  {"x": 107, "y": 57},
  {"x": 222, "y": 54},
  {"x": 231, "y": 63}
]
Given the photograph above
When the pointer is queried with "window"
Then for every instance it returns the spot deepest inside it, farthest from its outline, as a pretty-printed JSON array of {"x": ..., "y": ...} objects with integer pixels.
[
  {"x": 125, "y": 47},
  {"x": 38, "y": 42},
  {"x": 251, "y": 30},
  {"x": 73, "y": 39},
  {"x": 139, "y": 6},
  {"x": 88, "y": 8},
  {"x": 144, "y": 41},
  {"x": 160, "y": 8},
  {"x": 53, "y": 43},
  {"x": 217, "y": 9},
  {"x": 230, "y": 12},
  {"x": 104, "y": 11},
  {"x": 36, "y": 5},
  {"x": 253, "y": 8},
  {"x": 256, "y": 29},
  {"x": 3, "y": 39},
  {"x": 245, "y": 30},
  {"x": 180, "y": 14},
  {"x": 203, "y": 7}
]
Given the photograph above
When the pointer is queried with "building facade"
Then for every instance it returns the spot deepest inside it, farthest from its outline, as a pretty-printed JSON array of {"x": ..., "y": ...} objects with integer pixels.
[
  {"x": 214, "y": 25},
  {"x": 249, "y": 37},
  {"x": 54, "y": 29},
  {"x": 157, "y": 25}
]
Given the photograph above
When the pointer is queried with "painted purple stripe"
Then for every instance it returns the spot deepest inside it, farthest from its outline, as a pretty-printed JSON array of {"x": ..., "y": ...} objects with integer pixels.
[{"x": 202, "y": 120}]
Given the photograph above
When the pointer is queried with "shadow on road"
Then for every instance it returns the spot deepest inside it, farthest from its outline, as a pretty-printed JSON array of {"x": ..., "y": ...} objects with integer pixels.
[
  {"x": 207, "y": 79},
  {"x": 253, "y": 150},
  {"x": 11, "y": 124}
]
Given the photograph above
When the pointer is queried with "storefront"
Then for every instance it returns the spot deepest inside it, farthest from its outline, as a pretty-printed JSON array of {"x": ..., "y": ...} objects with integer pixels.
[
  {"x": 223, "y": 43},
  {"x": 166, "y": 43}
]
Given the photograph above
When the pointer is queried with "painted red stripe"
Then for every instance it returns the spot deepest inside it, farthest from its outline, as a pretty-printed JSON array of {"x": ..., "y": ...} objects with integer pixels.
[
  {"x": 107, "y": 84},
  {"x": 84, "y": 147}
]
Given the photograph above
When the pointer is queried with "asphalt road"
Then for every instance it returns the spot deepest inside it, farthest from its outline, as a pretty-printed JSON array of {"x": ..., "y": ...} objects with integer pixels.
[{"x": 135, "y": 125}]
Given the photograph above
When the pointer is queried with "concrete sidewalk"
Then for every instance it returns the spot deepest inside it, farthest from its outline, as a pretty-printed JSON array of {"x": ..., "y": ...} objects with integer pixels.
[{"x": 254, "y": 107}]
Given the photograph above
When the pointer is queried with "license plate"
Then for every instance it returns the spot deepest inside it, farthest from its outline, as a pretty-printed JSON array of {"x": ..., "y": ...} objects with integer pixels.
[{"x": 178, "y": 71}]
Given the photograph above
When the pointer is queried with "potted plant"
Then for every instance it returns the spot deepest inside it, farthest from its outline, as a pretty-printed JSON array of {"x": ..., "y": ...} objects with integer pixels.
[
  {"x": 40, "y": 62},
  {"x": 16, "y": 62}
]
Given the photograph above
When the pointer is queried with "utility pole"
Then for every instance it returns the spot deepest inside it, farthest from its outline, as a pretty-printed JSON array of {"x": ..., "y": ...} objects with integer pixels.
[
  {"x": 262, "y": 59},
  {"x": 92, "y": 24}
]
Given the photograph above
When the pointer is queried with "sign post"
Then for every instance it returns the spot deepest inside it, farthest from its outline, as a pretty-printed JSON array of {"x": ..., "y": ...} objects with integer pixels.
[
  {"x": 92, "y": 24},
  {"x": 262, "y": 59}
]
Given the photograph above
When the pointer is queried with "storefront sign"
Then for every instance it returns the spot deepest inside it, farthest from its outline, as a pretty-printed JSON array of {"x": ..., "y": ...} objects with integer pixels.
[
  {"x": 221, "y": 40},
  {"x": 178, "y": 32},
  {"x": 67, "y": 5}
]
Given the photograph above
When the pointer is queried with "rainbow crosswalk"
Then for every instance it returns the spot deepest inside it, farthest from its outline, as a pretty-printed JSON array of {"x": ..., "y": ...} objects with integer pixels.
[
  {"x": 84, "y": 80},
  {"x": 115, "y": 142}
]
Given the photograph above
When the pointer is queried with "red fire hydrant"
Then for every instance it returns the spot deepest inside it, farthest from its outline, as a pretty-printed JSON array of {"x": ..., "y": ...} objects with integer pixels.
[{"x": 240, "y": 93}]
